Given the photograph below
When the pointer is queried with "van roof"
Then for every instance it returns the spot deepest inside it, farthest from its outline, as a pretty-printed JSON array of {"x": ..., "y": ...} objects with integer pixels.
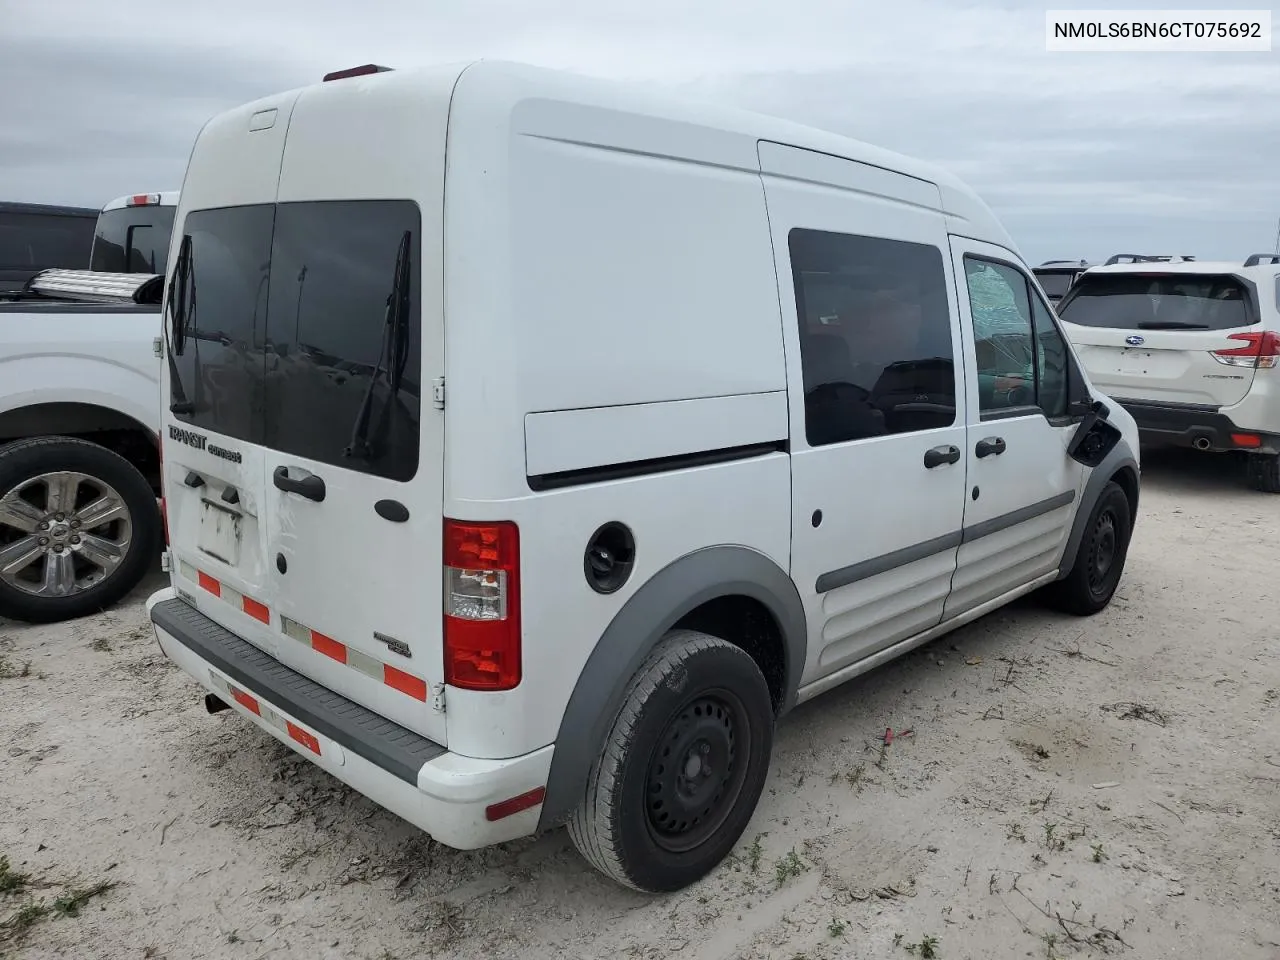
[{"x": 509, "y": 86}]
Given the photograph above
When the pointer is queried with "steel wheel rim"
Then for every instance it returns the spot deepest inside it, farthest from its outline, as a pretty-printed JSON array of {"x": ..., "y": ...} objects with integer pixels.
[
  {"x": 1105, "y": 550},
  {"x": 697, "y": 771},
  {"x": 62, "y": 533}
]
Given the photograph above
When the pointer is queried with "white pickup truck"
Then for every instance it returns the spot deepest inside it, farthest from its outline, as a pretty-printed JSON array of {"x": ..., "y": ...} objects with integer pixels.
[{"x": 80, "y": 522}]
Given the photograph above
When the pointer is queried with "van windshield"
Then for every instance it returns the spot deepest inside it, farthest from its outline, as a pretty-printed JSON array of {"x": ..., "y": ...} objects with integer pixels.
[
  {"x": 1139, "y": 301},
  {"x": 133, "y": 240},
  {"x": 289, "y": 340}
]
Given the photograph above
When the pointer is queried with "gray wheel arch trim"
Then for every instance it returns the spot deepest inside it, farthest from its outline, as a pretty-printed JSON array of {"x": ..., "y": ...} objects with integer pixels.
[
  {"x": 670, "y": 594},
  {"x": 1120, "y": 458}
]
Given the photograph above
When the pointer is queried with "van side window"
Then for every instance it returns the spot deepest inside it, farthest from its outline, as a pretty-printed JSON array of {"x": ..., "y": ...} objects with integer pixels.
[
  {"x": 875, "y": 336},
  {"x": 336, "y": 357},
  {"x": 1051, "y": 362},
  {"x": 1021, "y": 356},
  {"x": 219, "y": 367},
  {"x": 1002, "y": 334}
]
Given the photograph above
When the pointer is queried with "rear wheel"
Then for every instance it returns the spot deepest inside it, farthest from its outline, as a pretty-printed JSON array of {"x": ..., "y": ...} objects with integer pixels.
[
  {"x": 79, "y": 527},
  {"x": 1100, "y": 559},
  {"x": 1264, "y": 472},
  {"x": 683, "y": 767}
]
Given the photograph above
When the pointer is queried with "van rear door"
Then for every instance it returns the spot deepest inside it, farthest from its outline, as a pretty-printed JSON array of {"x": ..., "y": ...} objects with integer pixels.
[
  {"x": 304, "y": 467},
  {"x": 215, "y": 320},
  {"x": 1150, "y": 336},
  {"x": 354, "y": 442}
]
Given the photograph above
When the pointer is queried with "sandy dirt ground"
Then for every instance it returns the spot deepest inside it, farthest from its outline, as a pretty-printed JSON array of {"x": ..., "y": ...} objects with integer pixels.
[{"x": 1068, "y": 788}]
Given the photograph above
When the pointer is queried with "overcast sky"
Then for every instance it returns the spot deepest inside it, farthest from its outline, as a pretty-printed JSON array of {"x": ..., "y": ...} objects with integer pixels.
[{"x": 1081, "y": 155}]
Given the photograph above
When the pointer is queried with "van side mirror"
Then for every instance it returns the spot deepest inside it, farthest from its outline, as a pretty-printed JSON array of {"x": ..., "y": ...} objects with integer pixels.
[{"x": 1095, "y": 437}]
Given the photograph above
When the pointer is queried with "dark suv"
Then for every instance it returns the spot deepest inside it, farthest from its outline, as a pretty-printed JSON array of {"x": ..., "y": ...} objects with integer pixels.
[
  {"x": 37, "y": 236},
  {"x": 1057, "y": 276}
]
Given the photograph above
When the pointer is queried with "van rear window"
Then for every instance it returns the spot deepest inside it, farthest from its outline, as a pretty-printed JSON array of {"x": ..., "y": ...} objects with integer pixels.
[
  {"x": 217, "y": 363},
  {"x": 1149, "y": 302},
  {"x": 330, "y": 337},
  {"x": 304, "y": 331}
]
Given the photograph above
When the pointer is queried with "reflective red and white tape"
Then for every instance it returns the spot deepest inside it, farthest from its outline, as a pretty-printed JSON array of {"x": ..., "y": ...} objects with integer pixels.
[
  {"x": 262, "y": 709},
  {"x": 406, "y": 683},
  {"x": 384, "y": 673}
]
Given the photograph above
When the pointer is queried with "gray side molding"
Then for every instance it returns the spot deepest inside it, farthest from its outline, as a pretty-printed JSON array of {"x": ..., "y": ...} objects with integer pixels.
[
  {"x": 644, "y": 619},
  {"x": 1120, "y": 458}
]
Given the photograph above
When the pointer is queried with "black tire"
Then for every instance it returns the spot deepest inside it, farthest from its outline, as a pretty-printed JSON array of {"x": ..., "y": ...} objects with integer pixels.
[
  {"x": 23, "y": 461},
  {"x": 1264, "y": 472},
  {"x": 1100, "y": 558},
  {"x": 705, "y": 700}
]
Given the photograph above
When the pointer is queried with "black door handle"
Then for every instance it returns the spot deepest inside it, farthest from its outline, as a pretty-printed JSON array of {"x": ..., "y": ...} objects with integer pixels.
[
  {"x": 989, "y": 447},
  {"x": 312, "y": 487},
  {"x": 937, "y": 456}
]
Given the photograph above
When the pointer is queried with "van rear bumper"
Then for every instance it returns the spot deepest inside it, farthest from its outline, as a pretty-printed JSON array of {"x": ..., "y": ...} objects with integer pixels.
[
  {"x": 1195, "y": 425},
  {"x": 442, "y": 793}
]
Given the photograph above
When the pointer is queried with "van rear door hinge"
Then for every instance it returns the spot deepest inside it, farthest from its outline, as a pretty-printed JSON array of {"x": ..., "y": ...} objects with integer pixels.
[
  {"x": 437, "y": 698},
  {"x": 437, "y": 392},
  {"x": 157, "y": 346}
]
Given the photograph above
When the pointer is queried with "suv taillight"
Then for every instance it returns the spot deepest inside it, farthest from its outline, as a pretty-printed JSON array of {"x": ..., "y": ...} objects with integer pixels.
[
  {"x": 1263, "y": 350},
  {"x": 481, "y": 605}
]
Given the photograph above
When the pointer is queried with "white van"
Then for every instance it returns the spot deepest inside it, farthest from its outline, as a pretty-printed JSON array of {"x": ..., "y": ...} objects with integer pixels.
[{"x": 537, "y": 442}]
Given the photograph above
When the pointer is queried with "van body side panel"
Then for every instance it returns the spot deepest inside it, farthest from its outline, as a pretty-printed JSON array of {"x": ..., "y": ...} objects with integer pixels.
[
  {"x": 597, "y": 276},
  {"x": 602, "y": 437}
]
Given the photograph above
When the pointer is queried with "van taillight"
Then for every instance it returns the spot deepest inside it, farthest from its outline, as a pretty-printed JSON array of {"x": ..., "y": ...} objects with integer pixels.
[
  {"x": 1262, "y": 350},
  {"x": 481, "y": 605}
]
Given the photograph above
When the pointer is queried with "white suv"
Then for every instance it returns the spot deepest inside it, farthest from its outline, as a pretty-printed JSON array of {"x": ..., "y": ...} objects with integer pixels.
[
  {"x": 1189, "y": 348},
  {"x": 537, "y": 443}
]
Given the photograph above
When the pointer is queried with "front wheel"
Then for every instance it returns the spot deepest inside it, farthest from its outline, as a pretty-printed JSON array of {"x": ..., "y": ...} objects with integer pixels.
[
  {"x": 79, "y": 527},
  {"x": 1100, "y": 559},
  {"x": 683, "y": 767}
]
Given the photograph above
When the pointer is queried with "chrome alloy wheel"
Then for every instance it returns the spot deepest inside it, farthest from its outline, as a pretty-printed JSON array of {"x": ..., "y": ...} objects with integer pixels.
[{"x": 62, "y": 533}]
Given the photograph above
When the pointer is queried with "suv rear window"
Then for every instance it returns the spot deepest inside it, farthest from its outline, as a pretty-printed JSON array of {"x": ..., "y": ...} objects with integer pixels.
[
  {"x": 1149, "y": 302},
  {"x": 290, "y": 343},
  {"x": 133, "y": 240}
]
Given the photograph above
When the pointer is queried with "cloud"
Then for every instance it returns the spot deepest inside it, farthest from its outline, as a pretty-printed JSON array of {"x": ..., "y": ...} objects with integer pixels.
[{"x": 1080, "y": 154}]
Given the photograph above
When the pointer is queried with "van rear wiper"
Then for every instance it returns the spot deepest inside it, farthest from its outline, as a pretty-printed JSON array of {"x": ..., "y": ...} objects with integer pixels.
[
  {"x": 393, "y": 352},
  {"x": 1171, "y": 325},
  {"x": 175, "y": 329}
]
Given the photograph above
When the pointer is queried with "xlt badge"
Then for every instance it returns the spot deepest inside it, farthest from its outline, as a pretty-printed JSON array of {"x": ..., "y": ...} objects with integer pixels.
[{"x": 396, "y": 646}]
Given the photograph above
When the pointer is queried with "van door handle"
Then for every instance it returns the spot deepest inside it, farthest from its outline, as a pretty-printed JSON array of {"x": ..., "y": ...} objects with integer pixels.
[
  {"x": 937, "y": 456},
  {"x": 312, "y": 487},
  {"x": 989, "y": 447}
]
